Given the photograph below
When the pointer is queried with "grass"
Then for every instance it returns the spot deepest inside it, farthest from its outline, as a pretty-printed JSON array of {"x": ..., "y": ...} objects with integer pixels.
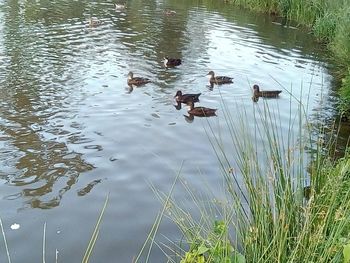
[
  {"x": 88, "y": 250},
  {"x": 5, "y": 242},
  {"x": 329, "y": 20},
  {"x": 273, "y": 210},
  {"x": 95, "y": 234}
]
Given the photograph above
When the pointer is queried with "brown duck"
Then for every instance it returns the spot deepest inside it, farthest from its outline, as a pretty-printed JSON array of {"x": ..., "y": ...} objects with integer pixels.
[
  {"x": 94, "y": 22},
  {"x": 266, "y": 93},
  {"x": 169, "y": 12},
  {"x": 172, "y": 62},
  {"x": 218, "y": 79},
  {"x": 186, "y": 98},
  {"x": 200, "y": 111},
  {"x": 137, "y": 81}
]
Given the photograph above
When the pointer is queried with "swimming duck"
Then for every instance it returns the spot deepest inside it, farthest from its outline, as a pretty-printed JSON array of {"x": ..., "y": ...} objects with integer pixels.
[
  {"x": 266, "y": 93},
  {"x": 137, "y": 80},
  {"x": 185, "y": 98},
  {"x": 200, "y": 111},
  {"x": 93, "y": 22},
  {"x": 169, "y": 12},
  {"x": 172, "y": 62},
  {"x": 120, "y": 6},
  {"x": 218, "y": 79}
]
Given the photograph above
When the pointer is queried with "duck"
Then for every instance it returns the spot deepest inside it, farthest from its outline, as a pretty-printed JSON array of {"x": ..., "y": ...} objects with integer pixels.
[
  {"x": 172, "y": 62},
  {"x": 218, "y": 79},
  {"x": 266, "y": 93},
  {"x": 169, "y": 12},
  {"x": 200, "y": 111},
  {"x": 186, "y": 98},
  {"x": 94, "y": 22},
  {"x": 120, "y": 6},
  {"x": 137, "y": 81}
]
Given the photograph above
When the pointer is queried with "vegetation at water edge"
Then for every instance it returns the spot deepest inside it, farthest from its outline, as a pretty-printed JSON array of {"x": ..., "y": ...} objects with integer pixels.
[
  {"x": 289, "y": 202},
  {"x": 329, "y": 20}
]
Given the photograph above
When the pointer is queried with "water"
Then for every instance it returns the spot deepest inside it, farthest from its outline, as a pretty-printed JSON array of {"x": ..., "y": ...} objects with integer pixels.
[{"x": 71, "y": 131}]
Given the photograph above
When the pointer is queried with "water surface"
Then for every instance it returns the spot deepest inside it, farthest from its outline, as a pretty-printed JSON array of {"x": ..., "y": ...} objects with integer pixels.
[{"x": 72, "y": 131}]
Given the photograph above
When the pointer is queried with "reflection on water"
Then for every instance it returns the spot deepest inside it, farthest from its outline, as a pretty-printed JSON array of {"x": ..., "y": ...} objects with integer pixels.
[
  {"x": 34, "y": 118},
  {"x": 71, "y": 127}
]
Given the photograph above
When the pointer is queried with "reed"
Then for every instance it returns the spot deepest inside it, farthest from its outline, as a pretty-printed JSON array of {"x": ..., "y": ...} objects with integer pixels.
[
  {"x": 329, "y": 20},
  {"x": 95, "y": 234},
  {"x": 274, "y": 211}
]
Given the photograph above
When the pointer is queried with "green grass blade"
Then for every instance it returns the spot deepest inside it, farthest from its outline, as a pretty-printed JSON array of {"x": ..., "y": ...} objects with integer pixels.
[
  {"x": 44, "y": 242},
  {"x": 95, "y": 233},
  {"x": 6, "y": 247},
  {"x": 156, "y": 224}
]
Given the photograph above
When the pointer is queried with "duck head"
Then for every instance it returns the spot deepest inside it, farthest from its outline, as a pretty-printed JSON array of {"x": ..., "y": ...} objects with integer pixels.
[
  {"x": 211, "y": 74},
  {"x": 165, "y": 60},
  {"x": 178, "y": 94},
  {"x": 256, "y": 88},
  {"x": 130, "y": 75}
]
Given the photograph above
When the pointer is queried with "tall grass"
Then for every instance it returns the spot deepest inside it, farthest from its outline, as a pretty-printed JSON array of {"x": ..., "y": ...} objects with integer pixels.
[
  {"x": 274, "y": 210},
  {"x": 88, "y": 251},
  {"x": 329, "y": 20}
]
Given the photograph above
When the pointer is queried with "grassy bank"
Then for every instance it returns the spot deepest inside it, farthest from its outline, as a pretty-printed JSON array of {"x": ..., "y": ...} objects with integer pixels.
[
  {"x": 279, "y": 226},
  {"x": 287, "y": 202},
  {"x": 329, "y": 20}
]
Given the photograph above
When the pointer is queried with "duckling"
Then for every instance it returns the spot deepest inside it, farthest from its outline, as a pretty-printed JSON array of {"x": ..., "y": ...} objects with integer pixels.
[
  {"x": 172, "y": 62},
  {"x": 200, "y": 111},
  {"x": 120, "y": 6},
  {"x": 185, "y": 98},
  {"x": 169, "y": 12},
  {"x": 266, "y": 93},
  {"x": 94, "y": 22},
  {"x": 137, "y": 81},
  {"x": 218, "y": 79}
]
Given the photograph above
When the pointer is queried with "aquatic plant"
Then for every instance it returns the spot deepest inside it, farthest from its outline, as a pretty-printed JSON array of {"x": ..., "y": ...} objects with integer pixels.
[
  {"x": 88, "y": 250},
  {"x": 281, "y": 205},
  {"x": 329, "y": 20}
]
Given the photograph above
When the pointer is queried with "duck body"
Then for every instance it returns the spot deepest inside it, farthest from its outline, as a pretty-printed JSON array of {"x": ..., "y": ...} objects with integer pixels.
[
  {"x": 137, "y": 81},
  {"x": 186, "y": 98},
  {"x": 266, "y": 93},
  {"x": 201, "y": 111},
  {"x": 219, "y": 79},
  {"x": 94, "y": 22},
  {"x": 169, "y": 12},
  {"x": 172, "y": 62}
]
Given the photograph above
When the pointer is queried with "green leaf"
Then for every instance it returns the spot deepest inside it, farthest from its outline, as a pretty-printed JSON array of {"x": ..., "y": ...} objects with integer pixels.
[
  {"x": 219, "y": 227},
  {"x": 346, "y": 253},
  {"x": 201, "y": 259},
  {"x": 202, "y": 249}
]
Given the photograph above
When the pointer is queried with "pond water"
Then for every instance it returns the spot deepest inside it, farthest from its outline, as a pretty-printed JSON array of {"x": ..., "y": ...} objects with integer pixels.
[{"x": 72, "y": 131}]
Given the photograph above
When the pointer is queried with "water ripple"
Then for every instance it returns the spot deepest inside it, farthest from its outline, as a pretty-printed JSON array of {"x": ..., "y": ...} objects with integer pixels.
[{"x": 67, "y": 115}]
